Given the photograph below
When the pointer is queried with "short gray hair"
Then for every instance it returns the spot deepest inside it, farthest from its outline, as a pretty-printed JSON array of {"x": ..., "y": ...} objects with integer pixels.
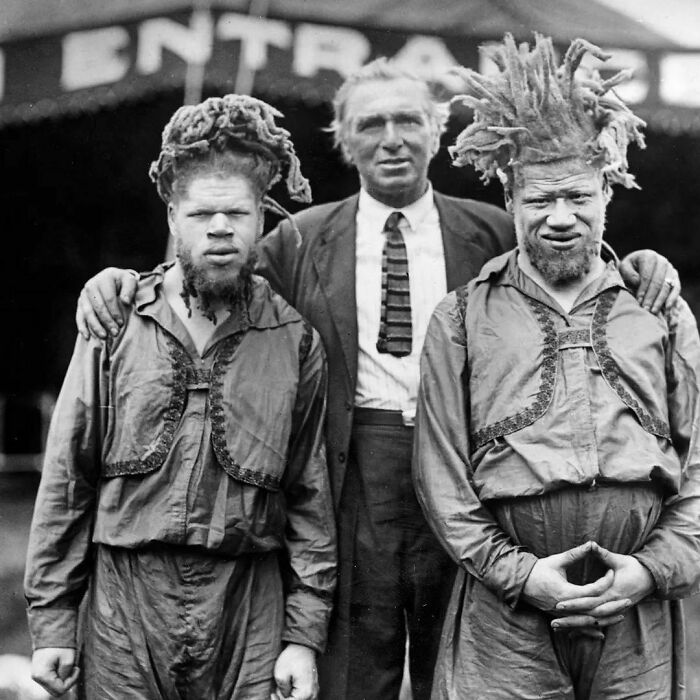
[{"x": 381, "y": 69}]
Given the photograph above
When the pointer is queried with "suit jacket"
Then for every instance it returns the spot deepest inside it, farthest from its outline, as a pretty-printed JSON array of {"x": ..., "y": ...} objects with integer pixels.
[{"x": 318, "y": 279}]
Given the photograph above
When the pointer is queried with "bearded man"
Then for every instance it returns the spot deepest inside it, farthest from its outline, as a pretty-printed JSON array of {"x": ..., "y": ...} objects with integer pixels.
[
  {"x": 556, "y": 455},
  {"x": 185, "y": 484}
]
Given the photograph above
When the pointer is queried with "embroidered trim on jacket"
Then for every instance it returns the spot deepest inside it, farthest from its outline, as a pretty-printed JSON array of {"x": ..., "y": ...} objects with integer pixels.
[
  {"x": 218, "y": 422},
  {"x": 547, "y": 380},
  {"x": 610, "y": 370},
  {"x": 576, "y": 338},
  {"x": 181, "y": 364}
]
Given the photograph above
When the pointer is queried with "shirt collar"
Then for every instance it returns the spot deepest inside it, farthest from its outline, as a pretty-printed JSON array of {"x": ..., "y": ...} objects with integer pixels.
[
  {"x": 504, "y": 270},
  {"x": 415, "y": 212},
  {"x": 262, "y": 312}
]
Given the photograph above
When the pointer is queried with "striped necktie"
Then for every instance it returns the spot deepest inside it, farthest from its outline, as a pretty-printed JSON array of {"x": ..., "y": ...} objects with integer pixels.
[{"x": 395, "y": 327}]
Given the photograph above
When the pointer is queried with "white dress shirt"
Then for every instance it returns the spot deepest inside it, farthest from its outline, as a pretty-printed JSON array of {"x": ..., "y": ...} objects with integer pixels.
[{"x": 385, "y": 381}]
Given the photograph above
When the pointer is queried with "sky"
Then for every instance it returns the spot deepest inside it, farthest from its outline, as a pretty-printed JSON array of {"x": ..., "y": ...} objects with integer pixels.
[{"x": 679, "y": 19}]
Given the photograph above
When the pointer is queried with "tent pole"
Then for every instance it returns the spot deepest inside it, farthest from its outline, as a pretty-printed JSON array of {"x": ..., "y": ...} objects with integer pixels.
[{"x": 245, "y": 75}]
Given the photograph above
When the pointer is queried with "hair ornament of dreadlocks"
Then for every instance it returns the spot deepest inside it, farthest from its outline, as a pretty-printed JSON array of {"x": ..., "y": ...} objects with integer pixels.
[
  {"x": 230, "y": 121},
  {"x": 533, "y": 110}
]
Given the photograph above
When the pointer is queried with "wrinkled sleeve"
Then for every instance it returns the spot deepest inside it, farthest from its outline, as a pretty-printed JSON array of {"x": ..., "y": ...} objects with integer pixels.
[
  {"x": 310, "y": 534},
  {"x": 672, "y": 551},
  {"x": 57, "y": 570},
  {"x": 442, "y": 469}
]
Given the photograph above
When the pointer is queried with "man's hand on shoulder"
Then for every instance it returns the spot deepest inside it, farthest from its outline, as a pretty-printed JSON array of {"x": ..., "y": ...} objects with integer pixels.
[
  {"x": 99, "y": 312},
  {"x": 295, "y": 673},
  {"x": 653, "y": 279},
  {"x": 54, "y": 669}
]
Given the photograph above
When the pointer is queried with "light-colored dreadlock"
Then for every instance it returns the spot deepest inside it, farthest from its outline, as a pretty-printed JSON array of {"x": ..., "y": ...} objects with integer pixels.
[
  {"x": 236, "y": 122},
  {"x": 533, "y": 111}
]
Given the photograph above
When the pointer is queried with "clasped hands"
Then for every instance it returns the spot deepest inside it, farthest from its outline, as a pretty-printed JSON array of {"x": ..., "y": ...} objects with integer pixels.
[{"x": 592, "y": 606}]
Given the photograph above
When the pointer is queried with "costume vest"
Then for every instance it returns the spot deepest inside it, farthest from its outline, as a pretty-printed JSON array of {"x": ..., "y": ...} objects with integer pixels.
[
  {"x": 513, "y": 343},
  {"x": 252, "y": 392}
]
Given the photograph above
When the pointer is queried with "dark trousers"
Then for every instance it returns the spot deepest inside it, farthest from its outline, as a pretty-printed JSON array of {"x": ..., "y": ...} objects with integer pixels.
[
  {"x": 394, "y": 578},
  {"x": 171, "y": 623}
]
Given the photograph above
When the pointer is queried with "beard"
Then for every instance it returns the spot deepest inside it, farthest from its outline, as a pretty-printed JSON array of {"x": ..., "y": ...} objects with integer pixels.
[
  {"x": 232, "y": 292},
  {"x": 561, "y": 266}
]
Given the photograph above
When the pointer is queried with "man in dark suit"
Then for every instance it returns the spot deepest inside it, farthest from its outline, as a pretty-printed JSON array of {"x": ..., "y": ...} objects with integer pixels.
[{"x": 368, "y": 273}]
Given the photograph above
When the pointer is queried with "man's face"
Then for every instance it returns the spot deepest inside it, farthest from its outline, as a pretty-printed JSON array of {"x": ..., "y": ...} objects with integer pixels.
[
  {"x": 216, "y": 222},
  {"x": 390, "y": 139},
  {"x": 559, "y": 213}
]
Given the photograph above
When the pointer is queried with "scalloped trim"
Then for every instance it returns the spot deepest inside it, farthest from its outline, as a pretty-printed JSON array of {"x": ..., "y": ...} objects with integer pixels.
[
  {"x": 181, "y": 364},
  {"x": 547, "y": 380},
  {"x": 611, "y": 371},
  {"x": 218, "y": 420}
]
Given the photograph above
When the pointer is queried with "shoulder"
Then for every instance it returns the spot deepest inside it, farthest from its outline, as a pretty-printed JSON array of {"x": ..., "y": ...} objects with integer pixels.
[
  {"x": 474, "y": 209},
  {"x": 317, "y": 219}
]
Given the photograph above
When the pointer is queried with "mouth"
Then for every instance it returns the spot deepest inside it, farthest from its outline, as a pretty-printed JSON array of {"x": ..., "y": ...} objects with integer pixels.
[
  {"x": 561, "y": 241},
  {"x": 393, "y": 162},
  {"x": 222, "y": 255}
]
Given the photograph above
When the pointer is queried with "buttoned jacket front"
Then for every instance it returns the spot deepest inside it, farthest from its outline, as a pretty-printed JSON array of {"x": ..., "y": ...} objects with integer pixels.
[{"x": 318, "y": 279}]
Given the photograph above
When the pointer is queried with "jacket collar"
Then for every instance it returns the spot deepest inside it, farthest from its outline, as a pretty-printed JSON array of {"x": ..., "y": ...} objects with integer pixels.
[
  {"x": 505, "y": 271},
  {"x": 265, "y": 310}
]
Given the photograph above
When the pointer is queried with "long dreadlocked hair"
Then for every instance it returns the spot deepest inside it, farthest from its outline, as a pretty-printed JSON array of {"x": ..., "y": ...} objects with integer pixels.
[
  {"x": 532, "y": 110},
  {"x": 232, "y": 122}
]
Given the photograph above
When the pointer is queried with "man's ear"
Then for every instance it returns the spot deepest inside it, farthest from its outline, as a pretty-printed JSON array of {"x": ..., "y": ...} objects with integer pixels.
[
  {"x": 171, "y": 218},
  {"x": 508, "y": 199}
]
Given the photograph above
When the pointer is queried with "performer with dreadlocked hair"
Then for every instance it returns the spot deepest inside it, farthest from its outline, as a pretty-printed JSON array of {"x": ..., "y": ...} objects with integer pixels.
[
  {"x": 185, "y": 486},
  {"x": 557, "y": 455}
]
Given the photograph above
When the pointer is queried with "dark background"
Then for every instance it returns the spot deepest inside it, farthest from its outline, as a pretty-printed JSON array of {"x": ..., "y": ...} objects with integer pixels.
[{"x": 78, "y": 198}]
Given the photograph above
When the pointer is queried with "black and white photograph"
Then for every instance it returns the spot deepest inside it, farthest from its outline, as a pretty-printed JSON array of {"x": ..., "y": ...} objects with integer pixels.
[{"x": 352, "y": 350}]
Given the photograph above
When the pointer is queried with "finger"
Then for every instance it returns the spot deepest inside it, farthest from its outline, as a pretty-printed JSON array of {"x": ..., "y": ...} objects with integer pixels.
[
  {"x": 630, "y": 275},
  {"x": 128, "y": 288},
  {"x": 575, "y": 621},
  {"x": 596, "y": 607},
  {"x": 99, "y": 315},
  {"x": 650, "y": 285},
  {"x": 51, "y": 684},
  {"x": 570, "y": 556},
  {"x": 589, "y": 590},
  {"x": 673, "y": 297},
  {"x": 105, "y": 305},
  {"x": 610, "y": 559},
  {"x": 284, "y": 686},
  {"x": 80, "y": 322},
  {"x": 664, "y": 272},
  {"x": 72, "y": 678},
  {"x": 89, "y": 318}
]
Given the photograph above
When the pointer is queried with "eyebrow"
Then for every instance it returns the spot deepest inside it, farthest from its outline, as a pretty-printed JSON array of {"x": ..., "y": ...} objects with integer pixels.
[{"x": 386, "y": 116}]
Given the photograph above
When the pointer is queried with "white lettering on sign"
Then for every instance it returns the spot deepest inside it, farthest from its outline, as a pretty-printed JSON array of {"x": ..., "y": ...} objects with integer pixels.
[
  {"x": 318, "y": 47},
  {"x": 255, "y": 35},
  {"x": 193, "y": 44},
  {"x": 426, "y": 56},
  {"x": 93, "y": 58}
]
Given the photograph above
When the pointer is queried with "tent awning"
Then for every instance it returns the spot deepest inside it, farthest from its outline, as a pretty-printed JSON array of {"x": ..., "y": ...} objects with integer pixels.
[{"x": 78, "y": 55}]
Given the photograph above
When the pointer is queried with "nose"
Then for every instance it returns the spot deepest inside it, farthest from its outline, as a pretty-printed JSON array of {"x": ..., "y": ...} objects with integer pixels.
[
  {"x": 561, "y": 215},
  {"x": 219, "y": 225},
  {"x": 391, "y": 138}
]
